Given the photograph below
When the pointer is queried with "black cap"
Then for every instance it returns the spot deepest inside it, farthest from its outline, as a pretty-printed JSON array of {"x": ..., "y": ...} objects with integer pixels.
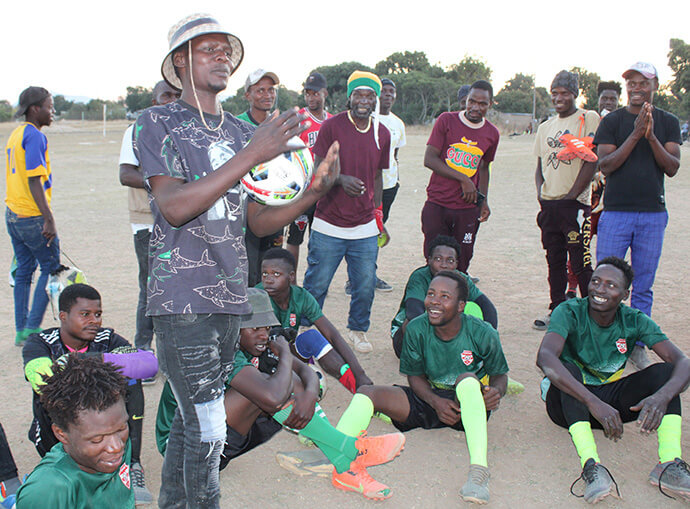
[
  {"x": 29, "y": 97},
  {"x": 386, "y": 81},
  {"x": 315, "y": 81}
]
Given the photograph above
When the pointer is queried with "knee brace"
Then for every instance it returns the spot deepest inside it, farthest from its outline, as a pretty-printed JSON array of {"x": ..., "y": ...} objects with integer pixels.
[
  {"x": 211, "y": 416},
  {"x": 312, "y": 344}
]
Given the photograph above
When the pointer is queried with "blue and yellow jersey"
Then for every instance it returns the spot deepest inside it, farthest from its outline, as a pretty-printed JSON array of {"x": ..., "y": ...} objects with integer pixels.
[{"x": 27, "y": 156}]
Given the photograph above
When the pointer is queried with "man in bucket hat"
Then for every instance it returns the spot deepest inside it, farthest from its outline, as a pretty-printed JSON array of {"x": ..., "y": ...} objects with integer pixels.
[
  {"x": 347, "y": 223},
  {"x": 192, "y": 155},
  {"x": 30, "y": 222},
  {"x": 638, "y": 146}
]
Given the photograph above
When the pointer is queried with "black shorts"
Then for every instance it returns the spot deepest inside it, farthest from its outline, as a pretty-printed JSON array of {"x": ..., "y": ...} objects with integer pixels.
[
  {"x": 298, "y": 227},
  {"x": 236, "y": 445},
  {"x": 423, "y": 415}
]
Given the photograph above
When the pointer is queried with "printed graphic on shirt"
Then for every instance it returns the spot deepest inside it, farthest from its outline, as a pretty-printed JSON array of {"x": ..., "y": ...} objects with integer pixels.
[
  {"x": 555, "y": 143},
  {"x": 464, "y": 156},
  {"x": 124, "y": 475}
]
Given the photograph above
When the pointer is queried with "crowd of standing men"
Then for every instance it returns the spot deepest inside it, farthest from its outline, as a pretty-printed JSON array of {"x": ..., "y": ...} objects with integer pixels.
[{"x": 200, "y": 242}]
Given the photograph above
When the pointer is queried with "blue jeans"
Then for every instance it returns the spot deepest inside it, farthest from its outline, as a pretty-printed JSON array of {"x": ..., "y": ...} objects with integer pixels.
[
  {"x": 643, "y": 234},
  {"x": 196, "y": 353},
  {"x": 144, "y": 334},
  {"x": 325, "y": 255},
  {"x": 31, "y": 250}
]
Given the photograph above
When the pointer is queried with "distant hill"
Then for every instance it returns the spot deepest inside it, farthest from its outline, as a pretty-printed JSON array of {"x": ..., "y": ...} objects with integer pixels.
[{"x": 76, "y": 98}]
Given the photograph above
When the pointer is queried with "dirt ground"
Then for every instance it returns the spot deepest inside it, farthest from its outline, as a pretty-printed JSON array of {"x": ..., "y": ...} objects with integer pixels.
[{"x": 532, "y": 461}]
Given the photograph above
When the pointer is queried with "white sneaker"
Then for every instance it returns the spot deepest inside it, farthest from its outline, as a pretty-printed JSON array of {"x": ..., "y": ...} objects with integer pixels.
[{"x": 359, "y": 339}]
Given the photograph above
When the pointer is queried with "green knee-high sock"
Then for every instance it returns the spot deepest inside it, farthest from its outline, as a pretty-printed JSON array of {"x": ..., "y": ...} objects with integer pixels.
[
  {"x": 357, "y": 416},
  {"x": 583, "y": 438},
  {"x": 473, "y": 415},
  {"x": 668, "y": 434},
  {"x": 339, "y": 448}
]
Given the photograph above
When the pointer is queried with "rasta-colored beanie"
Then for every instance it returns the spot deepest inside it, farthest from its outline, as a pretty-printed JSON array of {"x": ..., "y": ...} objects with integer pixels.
[{"x": 360, "y": 79}]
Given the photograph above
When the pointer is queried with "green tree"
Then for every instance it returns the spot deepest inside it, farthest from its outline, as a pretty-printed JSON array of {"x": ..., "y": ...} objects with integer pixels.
[
  {"x": 588, "y": 87},
  {"x": 402, "y": 62},
  {"x": 422, "y": 97},
  {"x": 138, "y": 98},
  {"x": 469, "y": 70},
  {"x": 237, "y": 103},
  {"x": 679, "y": 62},
  {"x": 287, "y": 99},
  {"x": 518, "y": 96},
  {"x": 5, "y": 111},
  {"x": 336, "y": 77},
  {"x": 61, "y": 104}
]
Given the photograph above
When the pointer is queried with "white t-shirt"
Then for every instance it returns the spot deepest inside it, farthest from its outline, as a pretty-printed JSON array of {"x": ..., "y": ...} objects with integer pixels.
[
  {"x": 397, "y": 129},
  {"x": 126, "y": 150},
  {"x": 135, "y": 196}
]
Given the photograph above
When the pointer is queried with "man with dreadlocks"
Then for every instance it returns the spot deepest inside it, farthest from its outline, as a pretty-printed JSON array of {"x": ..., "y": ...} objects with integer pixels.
[
  {"x": 349, "y": 219},
  {"x": 90, "y": 467},
  {"x": 193, "y": 155}
]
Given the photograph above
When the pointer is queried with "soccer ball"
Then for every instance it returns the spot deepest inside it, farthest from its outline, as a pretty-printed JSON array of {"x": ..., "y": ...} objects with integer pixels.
[
  {"x": 58, "y": 281},
  {"x": 282, "y": 179}
]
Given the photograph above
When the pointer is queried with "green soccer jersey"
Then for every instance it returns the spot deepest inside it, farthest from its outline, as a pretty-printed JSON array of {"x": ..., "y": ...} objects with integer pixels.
[
  {"x": 302, "y": 304},
  {"x": 476, "y": 349},
  {"x": 58, "y": 482},
  {"x": 601, "y": 352},
  {"x": 245, "y": 116},
  {"x": 416, "y": 288}
]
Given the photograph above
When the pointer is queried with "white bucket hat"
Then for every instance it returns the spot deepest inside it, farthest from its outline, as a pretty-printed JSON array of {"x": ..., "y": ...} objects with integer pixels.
[{"x": 187, "y": 29}]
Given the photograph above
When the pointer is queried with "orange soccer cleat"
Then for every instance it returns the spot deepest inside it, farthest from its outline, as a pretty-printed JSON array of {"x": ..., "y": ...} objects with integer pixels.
[
  {"x": 358, "y": 480},
  {"x": 380, "y": 449},
  {"x": 576, "y": 147}
]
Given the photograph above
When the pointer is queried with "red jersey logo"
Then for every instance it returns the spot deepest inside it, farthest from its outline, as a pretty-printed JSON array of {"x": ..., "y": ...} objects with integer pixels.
[
  {"x": 293, "y": 319},
  {"x": 124, "y": 475},
  {"x": 622, "y": 345},
  {"x": 255, "y": 362},
  {"x": 467, "y": 357}
]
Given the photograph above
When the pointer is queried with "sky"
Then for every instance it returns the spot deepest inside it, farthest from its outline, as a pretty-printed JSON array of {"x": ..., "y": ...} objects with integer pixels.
[{"x": 97, "y": 49}]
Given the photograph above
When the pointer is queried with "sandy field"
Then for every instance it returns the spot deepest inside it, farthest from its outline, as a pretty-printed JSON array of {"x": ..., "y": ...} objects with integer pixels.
[{"x": 532, "y": 461}]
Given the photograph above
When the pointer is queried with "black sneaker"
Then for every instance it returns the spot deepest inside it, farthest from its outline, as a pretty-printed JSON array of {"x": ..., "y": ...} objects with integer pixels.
[
  {"x": 672, "y": 476},
  {"x": 598, "y": 482},
  {"x": 382, "y": 286},
  {"x": 348, "y": 288},
  {"x": 142, "y": 496}
]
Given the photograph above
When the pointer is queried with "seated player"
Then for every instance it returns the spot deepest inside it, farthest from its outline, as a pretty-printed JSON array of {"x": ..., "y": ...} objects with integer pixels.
[
  {"x": 80, "y": 331},
  {"x": 269, "y": 388},
  {"x": 584, "y": 353},
  {"x": 444, "y": 253},
  {"x": 448, "y": 357},
  {"x": 293, "y": 305},
  {"x": 90, "y": 466}
]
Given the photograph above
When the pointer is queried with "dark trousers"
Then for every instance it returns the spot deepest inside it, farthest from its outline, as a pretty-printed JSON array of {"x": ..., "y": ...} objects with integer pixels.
[
  {"x": 461, "y": 224},
  {"x": 565, "y": 410},
  {"x": 562, "y": 235},
  {"x": 144, "y": 334},
  {"x": 256, "y": 248},
  {"x": 387, "y": 200},
  {"x": 8, "y": 469}
]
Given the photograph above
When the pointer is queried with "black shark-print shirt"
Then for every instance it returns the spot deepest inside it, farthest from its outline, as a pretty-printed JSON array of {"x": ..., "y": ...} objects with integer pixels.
[{"x": 200, "y": 267}]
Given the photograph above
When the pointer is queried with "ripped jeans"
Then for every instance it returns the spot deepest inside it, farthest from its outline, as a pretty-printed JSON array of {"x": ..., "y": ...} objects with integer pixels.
[{"x": 196, "y": 353}]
